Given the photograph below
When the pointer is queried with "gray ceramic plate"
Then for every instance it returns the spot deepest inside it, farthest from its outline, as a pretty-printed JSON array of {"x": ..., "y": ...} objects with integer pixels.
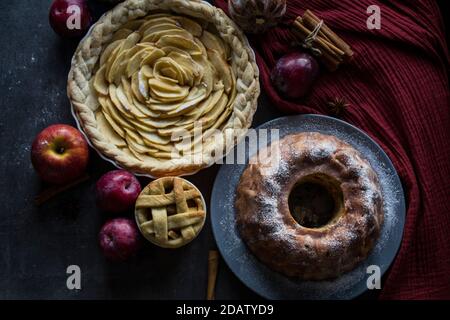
[{"x": 273, "y": 285}]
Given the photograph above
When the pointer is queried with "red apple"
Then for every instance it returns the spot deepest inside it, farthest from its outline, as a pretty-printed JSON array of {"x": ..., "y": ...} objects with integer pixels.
[
  {"x": 59, "y": 154},
  {"x": 117, "y": 191},
  {"x": 119, "y": 239},
  {"x": 70, "y": 18},
  {"x": 294, "y": 74}
]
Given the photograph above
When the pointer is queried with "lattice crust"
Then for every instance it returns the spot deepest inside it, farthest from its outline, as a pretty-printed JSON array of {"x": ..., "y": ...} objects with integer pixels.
[
  {"x": 143, "y": 148},
  {"x": 170, "y": 212}
]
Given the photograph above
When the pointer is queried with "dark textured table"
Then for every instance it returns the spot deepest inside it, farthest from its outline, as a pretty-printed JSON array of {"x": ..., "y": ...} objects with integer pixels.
[{"x": 37, "y": 244}]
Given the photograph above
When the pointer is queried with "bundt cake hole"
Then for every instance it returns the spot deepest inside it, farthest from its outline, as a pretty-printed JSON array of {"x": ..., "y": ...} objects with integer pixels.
[{"x": 316, "y": 201}]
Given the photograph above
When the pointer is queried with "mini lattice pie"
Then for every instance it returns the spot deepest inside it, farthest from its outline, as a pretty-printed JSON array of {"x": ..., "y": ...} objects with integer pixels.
[
  {"x": 170, "y": 212},
  {"x": 159, "y": 86}
]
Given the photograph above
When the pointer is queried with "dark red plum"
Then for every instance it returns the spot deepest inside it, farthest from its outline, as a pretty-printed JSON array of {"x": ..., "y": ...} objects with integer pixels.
[{"x": 294, "y": 74}]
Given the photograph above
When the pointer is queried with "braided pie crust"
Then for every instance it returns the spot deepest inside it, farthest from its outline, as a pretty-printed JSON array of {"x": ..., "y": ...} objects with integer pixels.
[{"x": 149, "y": 68}]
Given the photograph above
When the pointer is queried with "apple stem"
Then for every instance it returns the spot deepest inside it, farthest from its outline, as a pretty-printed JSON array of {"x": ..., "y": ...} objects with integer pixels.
[{"x": 52, "y": 191}]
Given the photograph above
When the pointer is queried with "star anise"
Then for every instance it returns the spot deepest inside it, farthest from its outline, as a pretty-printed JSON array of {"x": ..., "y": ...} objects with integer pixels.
[{"x": 337, "y": 106}]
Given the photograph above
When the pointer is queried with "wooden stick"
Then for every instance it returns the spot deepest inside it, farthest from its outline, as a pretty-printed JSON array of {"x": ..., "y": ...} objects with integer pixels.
[
  {"x": 52, "y": 191},
  {"x": 213, "y": 262}
]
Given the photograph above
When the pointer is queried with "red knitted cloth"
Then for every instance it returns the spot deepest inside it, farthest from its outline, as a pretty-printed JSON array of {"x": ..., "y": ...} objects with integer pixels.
[{"x": 398, "y": 89}]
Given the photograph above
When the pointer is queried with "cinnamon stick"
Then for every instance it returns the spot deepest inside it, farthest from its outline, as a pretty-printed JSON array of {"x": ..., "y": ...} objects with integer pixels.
[
  {"x": 331, "y": 49},
  {"x": 213, "y": 262},
  {"x": 330, "y": 60},
  {"x": 311, "y": 19},
  {"x": 324, "y": 44},
  {"x": 52, "y": 191}
]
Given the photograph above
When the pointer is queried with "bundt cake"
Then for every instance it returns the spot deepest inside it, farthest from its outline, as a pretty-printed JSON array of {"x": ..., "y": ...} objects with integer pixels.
[{"x": 314, "y": 211}]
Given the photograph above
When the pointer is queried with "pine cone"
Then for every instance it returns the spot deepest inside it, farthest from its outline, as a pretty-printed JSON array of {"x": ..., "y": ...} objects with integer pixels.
[{"x": 256, "y": 16}]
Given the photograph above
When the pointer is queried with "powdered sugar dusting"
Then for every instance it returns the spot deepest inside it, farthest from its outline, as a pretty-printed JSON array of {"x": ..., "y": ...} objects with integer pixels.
[
  {"x": 276, "y": 230},
  {"x": 322, "y": 149},
  {"x": 276, "y": 169},
  {"x": 370, "y": 191}
]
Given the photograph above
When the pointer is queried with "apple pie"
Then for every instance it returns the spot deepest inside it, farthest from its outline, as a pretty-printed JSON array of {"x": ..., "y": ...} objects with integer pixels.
[
  {"x": 160, "y": 86},
  {"x": 170, "y": 212}
]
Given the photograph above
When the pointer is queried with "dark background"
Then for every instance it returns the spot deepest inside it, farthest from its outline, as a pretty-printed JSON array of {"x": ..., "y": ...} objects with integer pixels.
[{"x": 37, "y": 244}]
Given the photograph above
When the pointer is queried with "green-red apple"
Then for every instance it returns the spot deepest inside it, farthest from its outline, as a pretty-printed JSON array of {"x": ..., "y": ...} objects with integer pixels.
[{"x": 59, "y": 154}]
